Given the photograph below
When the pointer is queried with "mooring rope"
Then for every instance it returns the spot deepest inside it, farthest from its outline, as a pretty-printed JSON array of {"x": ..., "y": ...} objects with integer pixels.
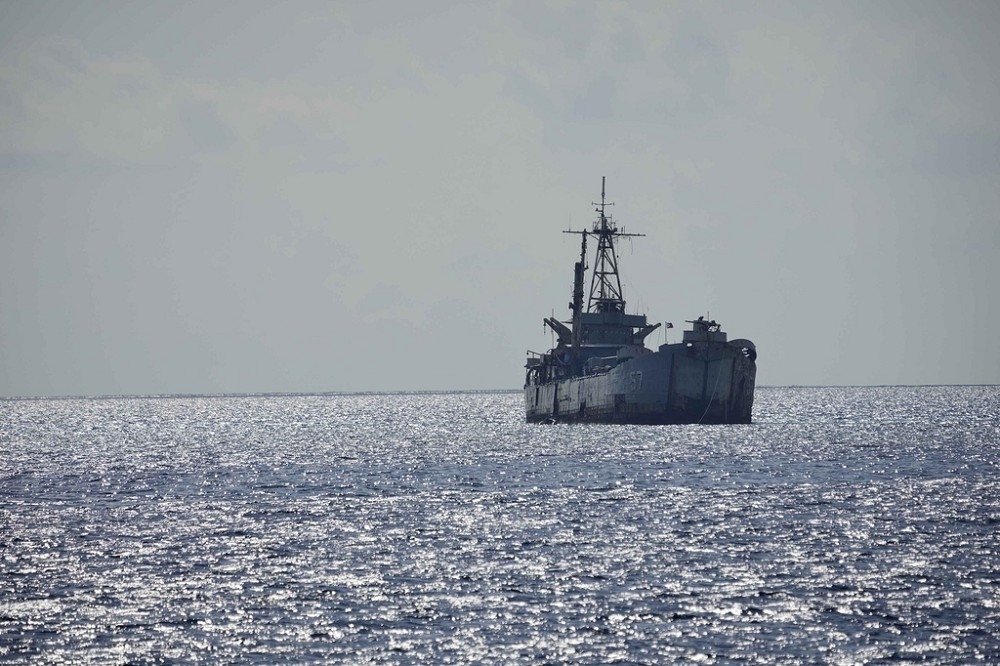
[{"x": 714, "y": 389}]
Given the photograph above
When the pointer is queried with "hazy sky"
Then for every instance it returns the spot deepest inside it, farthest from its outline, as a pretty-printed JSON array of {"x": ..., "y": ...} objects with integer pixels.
[{"x": 324, "y": 196}]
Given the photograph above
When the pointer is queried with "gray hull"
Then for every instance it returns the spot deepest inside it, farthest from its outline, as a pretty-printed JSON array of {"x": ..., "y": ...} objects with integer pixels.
[{"x": 677, "y": 384}]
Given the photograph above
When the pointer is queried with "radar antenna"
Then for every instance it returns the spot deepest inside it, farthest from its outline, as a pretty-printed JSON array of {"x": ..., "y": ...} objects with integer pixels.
[{"x": 605, "y": 283}]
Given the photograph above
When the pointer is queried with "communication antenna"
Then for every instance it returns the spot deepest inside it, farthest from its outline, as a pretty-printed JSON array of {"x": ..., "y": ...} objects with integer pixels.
[{"x": 605, "y": 282}]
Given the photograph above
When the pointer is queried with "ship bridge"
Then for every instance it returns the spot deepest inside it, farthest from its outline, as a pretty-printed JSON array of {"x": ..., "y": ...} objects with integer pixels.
[{"x": 609, "y": 328}]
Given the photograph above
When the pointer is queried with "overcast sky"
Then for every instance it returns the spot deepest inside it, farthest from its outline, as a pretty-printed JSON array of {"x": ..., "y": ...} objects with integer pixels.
[{"x": 339, "y": 196}]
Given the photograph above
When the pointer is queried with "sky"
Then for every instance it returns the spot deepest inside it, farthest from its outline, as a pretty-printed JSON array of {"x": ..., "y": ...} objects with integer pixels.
[{"x": 213, "y": 197}]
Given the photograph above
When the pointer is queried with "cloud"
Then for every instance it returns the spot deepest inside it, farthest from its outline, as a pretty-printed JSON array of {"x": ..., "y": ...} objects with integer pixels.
[
  {"x": 205, "y": 126},
  {"x": 57, "y": 100},
  {"x": 314, "y": 186}
]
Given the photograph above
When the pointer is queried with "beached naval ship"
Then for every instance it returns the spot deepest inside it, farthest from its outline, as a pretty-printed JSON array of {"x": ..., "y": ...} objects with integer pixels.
[{"x": 600, "y": 370}]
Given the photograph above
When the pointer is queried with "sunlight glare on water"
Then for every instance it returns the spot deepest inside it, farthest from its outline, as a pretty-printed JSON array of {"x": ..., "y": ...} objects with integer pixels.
[{"x": 845, "y": 525}]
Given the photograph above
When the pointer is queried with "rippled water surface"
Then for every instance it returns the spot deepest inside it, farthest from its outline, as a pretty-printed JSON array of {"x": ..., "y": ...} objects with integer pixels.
[{"x": 845, "y": 525}]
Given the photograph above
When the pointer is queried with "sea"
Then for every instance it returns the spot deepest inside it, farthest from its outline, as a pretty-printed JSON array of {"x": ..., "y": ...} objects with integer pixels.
[{"x": 845, "y": 525}]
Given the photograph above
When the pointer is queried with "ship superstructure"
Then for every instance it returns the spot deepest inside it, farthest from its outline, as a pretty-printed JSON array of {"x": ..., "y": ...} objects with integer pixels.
[{"x": 601, "y": 370}]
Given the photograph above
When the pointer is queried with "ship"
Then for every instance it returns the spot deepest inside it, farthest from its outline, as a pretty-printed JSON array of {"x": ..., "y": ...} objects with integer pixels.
[{"x": 601, "y": 371}]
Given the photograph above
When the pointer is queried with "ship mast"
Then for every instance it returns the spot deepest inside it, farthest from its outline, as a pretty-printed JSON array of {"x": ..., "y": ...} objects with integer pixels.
[{"x": 605, "y": 283}]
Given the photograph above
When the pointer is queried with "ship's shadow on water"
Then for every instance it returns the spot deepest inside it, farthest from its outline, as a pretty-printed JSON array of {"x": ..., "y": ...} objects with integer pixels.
[{"x": 843, "y": 525}]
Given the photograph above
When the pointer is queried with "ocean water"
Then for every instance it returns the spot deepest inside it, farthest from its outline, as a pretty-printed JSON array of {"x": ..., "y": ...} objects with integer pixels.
[{"x": 844, "y": 526}]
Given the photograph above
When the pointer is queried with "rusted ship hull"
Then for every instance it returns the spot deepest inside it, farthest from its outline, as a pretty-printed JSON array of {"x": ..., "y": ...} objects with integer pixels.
[
  {"x": 600, "y": 370},
  {"x": 677, "y": 384}
]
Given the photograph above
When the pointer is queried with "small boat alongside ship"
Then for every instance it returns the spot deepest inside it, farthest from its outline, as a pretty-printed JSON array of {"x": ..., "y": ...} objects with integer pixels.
[{"x": 601, "y": 371}]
